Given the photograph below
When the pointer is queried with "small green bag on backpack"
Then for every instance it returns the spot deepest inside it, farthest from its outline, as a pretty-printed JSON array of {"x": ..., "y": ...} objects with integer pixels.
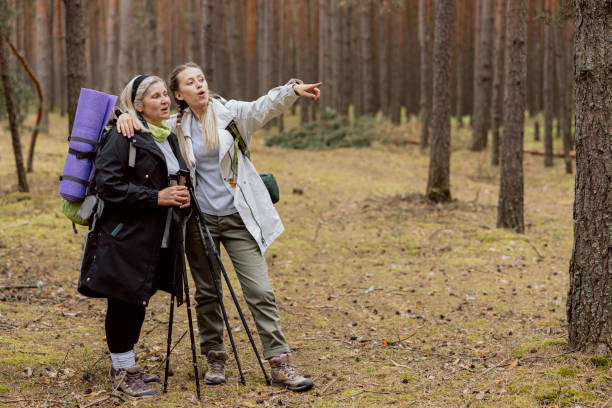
[
  {"x": 70, "y": 210},
  {"x": 271, "y": 185}
]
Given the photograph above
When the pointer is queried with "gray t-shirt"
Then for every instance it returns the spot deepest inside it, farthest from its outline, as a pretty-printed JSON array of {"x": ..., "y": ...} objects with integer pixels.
[
  {"x": 173, "y": 168},
  {"x": 213, "y": 196}
]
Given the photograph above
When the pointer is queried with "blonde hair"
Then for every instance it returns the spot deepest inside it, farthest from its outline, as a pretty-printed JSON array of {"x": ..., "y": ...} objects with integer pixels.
[
  {"x": 125, "y": 100},
  {"x": 208, "y": 119}
]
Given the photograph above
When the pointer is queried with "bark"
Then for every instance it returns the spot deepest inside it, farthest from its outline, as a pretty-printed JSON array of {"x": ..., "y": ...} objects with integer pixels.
[
  {"x": 110, "y": 77},
  {"x": 126, "y": 37},
  {"x": 195, "y": 47},
  {"x": 43, "y": 60},
  {"x": 234, "y": 49},
  {"x": 438, "y": 183},
  {"x": 560, "y": 78},
  {"x": 425, "y": 77},
  {"x": 303, "y": 19},
  {"x": 335, "y": 60},
  {"x": 265, "y": 45},
  {"x": 208, "y": 39},
  {"x": 397, "y": 73},
  {"x": 589, "y": 300},
  {"x": 12, "y": 117},
  {"x": 383, "y": 60},
  {"x": 76, "y": 75},
  {"x": 460, "y": 22},
  {"x": 347, "y": 71},
  {"x": 548, "y": 93},
  {"x": 483, "y": 78},
  {"x": 58, "y": 46},
  {"x": 367, "y": 58},
  {"x": 323, "y": 50},
  {"x": 498, "y": 79},
  {"x": 510, "y": 206},
  {"x": 356, "y": 62}
]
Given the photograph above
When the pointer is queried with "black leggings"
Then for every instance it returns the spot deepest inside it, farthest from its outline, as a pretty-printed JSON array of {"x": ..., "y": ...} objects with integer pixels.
[
  {"x": 124, "y": 320},
  {"x": 123, "y": 324}
]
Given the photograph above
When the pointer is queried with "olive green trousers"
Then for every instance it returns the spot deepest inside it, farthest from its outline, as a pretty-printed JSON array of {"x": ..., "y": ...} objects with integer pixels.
[{"x": 252, "y": 272}]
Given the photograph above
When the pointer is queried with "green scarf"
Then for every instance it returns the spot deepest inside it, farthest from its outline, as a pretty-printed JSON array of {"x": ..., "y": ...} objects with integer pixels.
[{"x": 159, "y": 133}]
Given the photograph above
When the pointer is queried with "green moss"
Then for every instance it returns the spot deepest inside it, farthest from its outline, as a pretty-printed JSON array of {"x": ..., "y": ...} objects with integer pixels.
[
  {"x": 539, "y": 345},
  {"x": 498, "y": 234},
  {"x": 567, "y": 371},
  {"x": 601, "y": 361},
  {"x": 3, "y": 389}
]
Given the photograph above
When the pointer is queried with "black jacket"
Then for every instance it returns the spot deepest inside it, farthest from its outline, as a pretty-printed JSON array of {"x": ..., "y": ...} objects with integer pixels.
[{"x": 122, "y": 248}]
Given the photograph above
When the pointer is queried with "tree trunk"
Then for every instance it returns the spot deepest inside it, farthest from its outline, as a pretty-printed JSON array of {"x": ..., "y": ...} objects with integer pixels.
[
  {"x": 548, "y": 84},
  {"x": 564, "y": 119},
  {"x": 347, "y": 71},
  {"x": 335, "y": 58},
  {"x": 39, "y": 113},
  {"x": 126, "y": 36},
  {"x": 234, "y": 49},
  {"x": 438, "y": 183},
  {"x": 383, "y": 65},
  {"x": 460, "y": 45},
  {"x": 425, "y": 77},
  {"x": 208, "y": 40},
  {"x": 12, "y": 115},
  {"x": 43, "y": 60},
  {"x": 76, "y": 75},
  {"x": 367, "y": 58},
  {"x": 397, "y": 71},
  {"x": 589, "y": 309},
  {"x": 498, "y": 79},
  {"x": 195, "y": 47},
  {"x": 356, "y": 62},
  {"x": 483, "y": 78},
  {"x": 110, "y": 77},
  {"x": 510, "y": 206}
]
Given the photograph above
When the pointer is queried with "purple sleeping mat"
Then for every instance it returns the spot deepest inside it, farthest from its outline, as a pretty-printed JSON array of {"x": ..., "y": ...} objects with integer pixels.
[{"x": 93, "y": 110}]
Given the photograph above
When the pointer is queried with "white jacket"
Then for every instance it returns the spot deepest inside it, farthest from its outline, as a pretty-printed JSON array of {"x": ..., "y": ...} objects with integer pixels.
[{"x": 251, "y": 197}]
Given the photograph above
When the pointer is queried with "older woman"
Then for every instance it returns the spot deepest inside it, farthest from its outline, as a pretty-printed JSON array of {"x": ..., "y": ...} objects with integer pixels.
[
  {"x": 237, "y": 209},
  {"x": 135, "y": 247}
]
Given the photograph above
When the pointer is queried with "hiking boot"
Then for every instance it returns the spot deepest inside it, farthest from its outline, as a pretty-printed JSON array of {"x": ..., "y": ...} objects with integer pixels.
[
  {"x": 284, "y": 375},
  {"x": 144, "y": 376},
  {"x": 215, "y": 374},
  {"x": 129, "y": 381}
]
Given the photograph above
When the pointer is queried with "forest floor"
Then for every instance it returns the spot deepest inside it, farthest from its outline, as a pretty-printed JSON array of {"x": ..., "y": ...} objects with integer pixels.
[{"x": 385, "y": 298}]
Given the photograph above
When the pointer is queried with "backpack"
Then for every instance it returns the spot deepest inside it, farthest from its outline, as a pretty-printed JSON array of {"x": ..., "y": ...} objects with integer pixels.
[{"x": 88, "y": 130}]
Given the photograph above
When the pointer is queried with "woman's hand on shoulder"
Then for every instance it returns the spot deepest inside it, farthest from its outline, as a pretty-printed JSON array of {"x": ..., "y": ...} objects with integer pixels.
[
  {"x": 310, "y": 91},
  {"x": 126, "y": 125}
]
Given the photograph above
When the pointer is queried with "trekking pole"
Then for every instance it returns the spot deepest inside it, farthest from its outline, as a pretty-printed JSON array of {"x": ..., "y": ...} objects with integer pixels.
[
  {"x": 238, "y": 308},
  {"x": 170, "y": 319}
]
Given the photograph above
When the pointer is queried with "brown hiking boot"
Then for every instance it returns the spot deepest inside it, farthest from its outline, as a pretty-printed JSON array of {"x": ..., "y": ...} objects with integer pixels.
[
  {"x": 144, "y": 376},
  {"x": 215, "y": 374},
  {"x": 129, "y": 381},
  {"x": 284, "y": 375}
]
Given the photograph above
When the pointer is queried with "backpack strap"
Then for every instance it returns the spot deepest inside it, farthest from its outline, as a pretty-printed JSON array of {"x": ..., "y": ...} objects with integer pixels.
[{"x": 239, "y": 144}]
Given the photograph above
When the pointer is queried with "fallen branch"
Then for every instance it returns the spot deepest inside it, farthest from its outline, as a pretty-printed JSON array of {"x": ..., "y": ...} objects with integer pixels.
[
  {"x": 542, "y": 153},
  {"x": 534, "y": 247},
  {"x": 18, "y": 287},
  {"x": 175, "y": 344},
  {"x": 327, "y": 386},
  {"x": 399, "y": 365},
  {"x": 96, "y": 402}
]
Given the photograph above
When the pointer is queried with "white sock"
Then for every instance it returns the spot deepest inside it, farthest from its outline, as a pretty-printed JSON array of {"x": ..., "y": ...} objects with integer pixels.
[{"x": 123, "y": 360}]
